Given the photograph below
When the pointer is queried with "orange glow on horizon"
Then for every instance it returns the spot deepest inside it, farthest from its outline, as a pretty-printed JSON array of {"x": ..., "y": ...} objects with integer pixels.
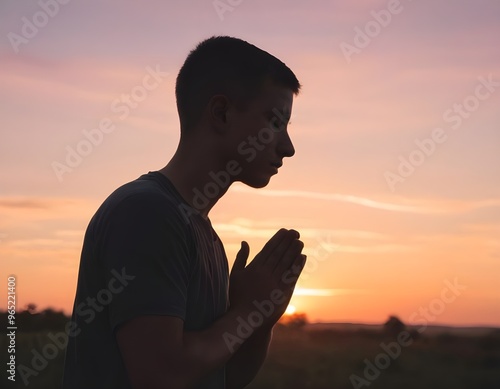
[{"x": 290, "y": 310}]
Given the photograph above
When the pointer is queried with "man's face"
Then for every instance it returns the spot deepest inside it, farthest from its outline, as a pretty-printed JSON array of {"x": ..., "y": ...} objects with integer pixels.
[{"x": 259, "y": 136}]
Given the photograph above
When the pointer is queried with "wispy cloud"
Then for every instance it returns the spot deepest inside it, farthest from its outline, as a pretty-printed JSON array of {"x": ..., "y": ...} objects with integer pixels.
[
  {"x": 41, "y": 217},
  {"x": 70, "y": 233},
  {"x": 429, "y": 207},
  {"x": 27, "y": 202},
  {"x": 262, "y": 229},
  {"x": 313, "y": 292},
  {"x": 24, "y": 203},
  {"x": 362, "y": 248},
  {"x": 365, "y": 202},
  {"x": 382, "y": 248},
  {"x": 42, "y": 243}
]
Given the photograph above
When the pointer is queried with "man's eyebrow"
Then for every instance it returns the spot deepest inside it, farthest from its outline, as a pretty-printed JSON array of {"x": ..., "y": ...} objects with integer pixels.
[{"x": 272, "y": 114}]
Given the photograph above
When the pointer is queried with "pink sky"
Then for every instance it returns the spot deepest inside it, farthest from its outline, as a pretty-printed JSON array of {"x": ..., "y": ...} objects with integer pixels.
[{"x": 390, "y": 248}]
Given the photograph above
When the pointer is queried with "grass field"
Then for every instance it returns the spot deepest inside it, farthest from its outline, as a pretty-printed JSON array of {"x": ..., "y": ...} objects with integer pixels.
[{"x": 327, "y": 357}]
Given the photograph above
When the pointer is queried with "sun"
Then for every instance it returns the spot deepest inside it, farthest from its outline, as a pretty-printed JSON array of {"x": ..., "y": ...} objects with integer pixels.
[{"x": 290, "y": 310}]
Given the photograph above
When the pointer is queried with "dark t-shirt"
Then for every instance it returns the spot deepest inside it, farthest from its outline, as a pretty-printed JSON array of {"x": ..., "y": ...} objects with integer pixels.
[{"x": 145, "y": 253}]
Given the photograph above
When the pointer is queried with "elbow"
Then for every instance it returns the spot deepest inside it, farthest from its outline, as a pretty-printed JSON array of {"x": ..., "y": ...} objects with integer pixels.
[
  {"x": 162, "y": 381},
  {"x": 175, "y": 376}
]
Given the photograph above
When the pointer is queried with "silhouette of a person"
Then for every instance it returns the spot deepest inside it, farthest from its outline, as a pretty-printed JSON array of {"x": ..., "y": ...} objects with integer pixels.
[{"x": 155, "y": 305}]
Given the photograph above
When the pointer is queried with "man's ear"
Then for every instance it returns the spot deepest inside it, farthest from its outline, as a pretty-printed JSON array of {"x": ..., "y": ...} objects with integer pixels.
[{"x": 218, "y": 107}]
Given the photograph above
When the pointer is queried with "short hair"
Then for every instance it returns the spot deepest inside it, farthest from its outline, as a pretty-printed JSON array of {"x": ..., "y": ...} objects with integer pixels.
[{"x": 229, "y": 66}]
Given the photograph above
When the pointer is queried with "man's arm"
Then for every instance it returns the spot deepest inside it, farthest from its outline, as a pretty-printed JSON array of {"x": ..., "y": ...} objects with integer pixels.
[
  {"x": 158, "y": 353},
  {"x": 247, "y": 361}
]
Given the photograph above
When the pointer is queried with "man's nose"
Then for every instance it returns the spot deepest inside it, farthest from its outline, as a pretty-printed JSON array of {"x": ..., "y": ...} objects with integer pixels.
[{"x": 285, "y": 146}]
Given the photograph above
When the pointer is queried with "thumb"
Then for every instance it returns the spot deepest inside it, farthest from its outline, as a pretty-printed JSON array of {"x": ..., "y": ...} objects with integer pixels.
[{"x": 242, "y": 256}]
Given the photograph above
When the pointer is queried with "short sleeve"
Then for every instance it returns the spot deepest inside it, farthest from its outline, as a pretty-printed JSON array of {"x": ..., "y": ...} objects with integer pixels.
[{"x": 146, "y": 254}]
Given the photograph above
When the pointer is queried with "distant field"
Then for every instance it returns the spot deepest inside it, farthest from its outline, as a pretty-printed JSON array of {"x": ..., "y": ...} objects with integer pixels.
[
  {"x": 324, "y": 356},
  {"x": 431, "y": 330}
]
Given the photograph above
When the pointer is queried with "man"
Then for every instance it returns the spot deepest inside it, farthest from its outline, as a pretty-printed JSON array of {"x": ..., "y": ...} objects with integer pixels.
[{"x": 155, "y": 306}]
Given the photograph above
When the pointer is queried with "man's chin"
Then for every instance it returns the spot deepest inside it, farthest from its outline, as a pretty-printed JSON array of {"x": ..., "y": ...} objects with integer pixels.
[{"x": 256, "y": 182}]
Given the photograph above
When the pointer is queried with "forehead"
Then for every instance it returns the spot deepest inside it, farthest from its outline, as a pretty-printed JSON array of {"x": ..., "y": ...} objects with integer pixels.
[{"x": 273, "y": 96}]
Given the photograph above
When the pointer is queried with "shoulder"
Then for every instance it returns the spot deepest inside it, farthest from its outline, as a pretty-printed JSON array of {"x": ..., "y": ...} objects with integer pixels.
[{"x": 146, "y": 198}]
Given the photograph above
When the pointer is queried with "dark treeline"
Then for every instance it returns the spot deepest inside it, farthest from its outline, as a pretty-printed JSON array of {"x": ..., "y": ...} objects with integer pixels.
[{"x": 30, "y": 320}]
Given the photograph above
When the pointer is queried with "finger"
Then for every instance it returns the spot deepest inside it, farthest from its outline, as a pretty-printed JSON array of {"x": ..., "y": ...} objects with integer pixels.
[
  {"x": 299, "y": 264},
  {"x": 241, "y": 258},
  {"x": 277, "y": 255},
  {"x": 291, "y": 275},
  {"x": 289, "y": 256},
  {"x": 270, "y": 246}
]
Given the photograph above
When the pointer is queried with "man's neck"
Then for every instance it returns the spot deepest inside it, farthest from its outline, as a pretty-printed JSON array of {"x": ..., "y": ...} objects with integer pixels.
[{"x": 190, "y": 176}]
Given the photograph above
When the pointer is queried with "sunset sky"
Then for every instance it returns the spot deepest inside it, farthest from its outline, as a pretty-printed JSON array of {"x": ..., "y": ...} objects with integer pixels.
[{"x": 395, "y": 184}]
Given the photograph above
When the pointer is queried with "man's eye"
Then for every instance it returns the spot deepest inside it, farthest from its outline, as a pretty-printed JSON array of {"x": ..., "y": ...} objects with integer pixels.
[{"x": 279, "y": 125}]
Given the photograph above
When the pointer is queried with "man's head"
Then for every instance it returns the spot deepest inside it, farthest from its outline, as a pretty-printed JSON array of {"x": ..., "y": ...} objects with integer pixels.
[
  {"x": 227, "y": 66},
  {"x": 237, "y": 98}
]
